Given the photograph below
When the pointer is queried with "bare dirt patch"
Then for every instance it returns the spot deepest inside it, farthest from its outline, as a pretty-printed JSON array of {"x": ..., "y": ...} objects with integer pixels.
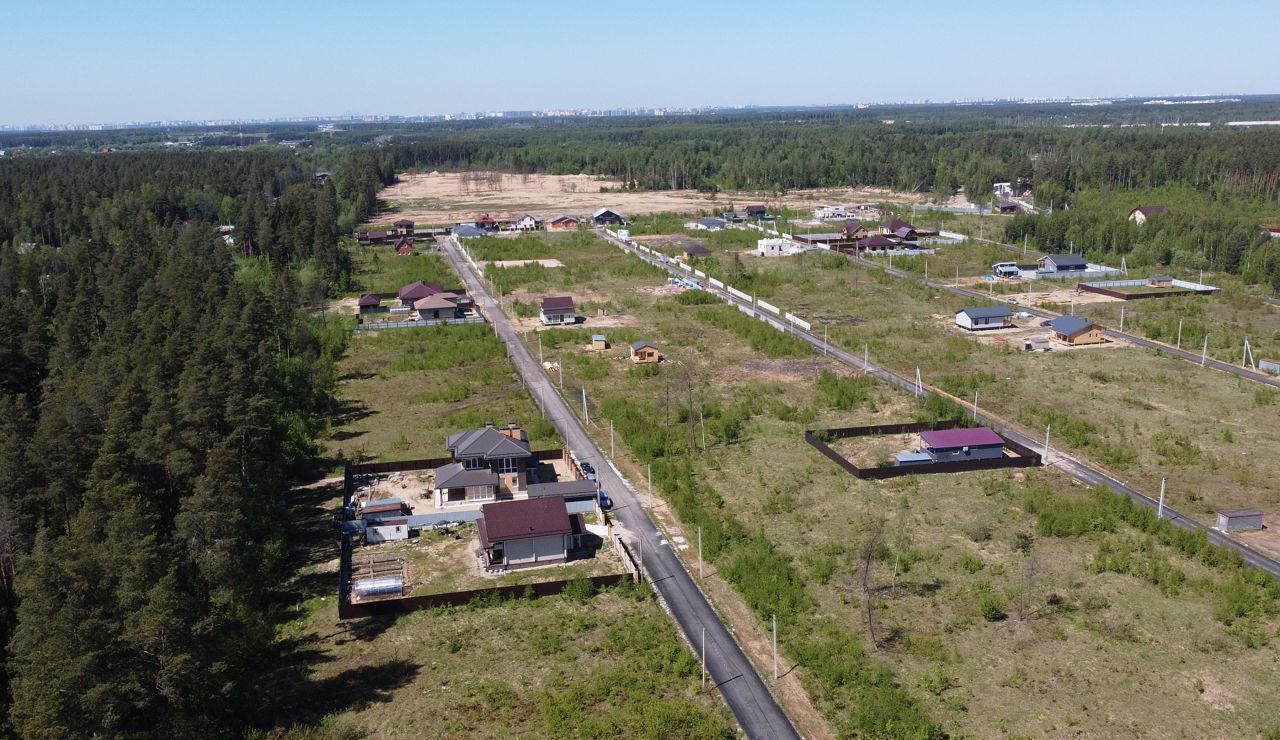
[
  {"x": 783, "y": 371},
  {"x": 450, "y": 197},
  {"x": 517, "y": 263}
]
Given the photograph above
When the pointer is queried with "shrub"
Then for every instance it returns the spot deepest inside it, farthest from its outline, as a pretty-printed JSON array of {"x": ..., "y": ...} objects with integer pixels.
[{"x": 991, "y": 608}]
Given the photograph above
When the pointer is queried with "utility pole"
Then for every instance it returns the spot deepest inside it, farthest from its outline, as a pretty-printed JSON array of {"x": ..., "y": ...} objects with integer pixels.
[
  {"x": 919, "y": 384},
  {"x": 824, "y": 339},
  {"x": 1044, "y": 460},
  {"x": 540, "y": 349},
  {"x": 775, "y": 647},
  {"x": 699, "y": 553},
  {"x": 611, "y": 449},
  {"x": 650, "y": 477},
  {"x": 1179, "y": 333},
  {"x": 975, "y": 406},
  {"x": 1160, "y": 508},
  {"x": 560, "y": 367},
  {"x": 1204, "y": 351},
  {"x": 866, "y": 366},
  {"x": 704, "y": 658},
  {"x": 1122, "y": 319},
  {"x": 585, "y": 417},
  {"x": 702, "y": 421}
]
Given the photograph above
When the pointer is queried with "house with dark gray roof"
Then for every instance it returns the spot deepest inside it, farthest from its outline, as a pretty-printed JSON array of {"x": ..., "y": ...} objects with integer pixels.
[
  {"x": 1063, "y": 263},
  {"x": 644, "y": 353},
  {"x": 488, "y": 463},
  {"x": 1140, "y": 214},
  {"x": 708, "y": 224},
  {"x": 984, "y": 317},
  {"x": 608, "y": 217},
  {"x": 696, "y": 251}
]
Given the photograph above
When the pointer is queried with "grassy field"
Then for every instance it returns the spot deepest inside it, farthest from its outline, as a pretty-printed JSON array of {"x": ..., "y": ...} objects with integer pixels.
[
  {"x": 581, "y": 664},
  {"x": 1003, "y": 603}
]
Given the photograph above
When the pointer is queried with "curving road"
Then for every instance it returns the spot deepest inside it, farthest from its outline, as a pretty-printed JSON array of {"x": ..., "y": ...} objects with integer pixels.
[
  {"x": 1074, "y": 468},
  {"x": 728, "y": 668}
]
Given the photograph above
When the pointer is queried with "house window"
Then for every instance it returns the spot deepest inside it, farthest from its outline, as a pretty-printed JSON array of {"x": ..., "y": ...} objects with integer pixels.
[
  {"x": 507, "y": 465},
  {"x": 473, "y": 463}
]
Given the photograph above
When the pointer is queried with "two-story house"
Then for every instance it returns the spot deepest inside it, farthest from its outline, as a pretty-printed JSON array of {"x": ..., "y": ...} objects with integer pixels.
[{"x": 489, "y": 464}]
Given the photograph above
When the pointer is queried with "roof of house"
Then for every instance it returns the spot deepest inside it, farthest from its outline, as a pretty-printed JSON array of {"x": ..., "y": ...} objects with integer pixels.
[
  {"x": 972, "y": 437},
  {"x": 697, "y": 250},
  {"x": 1240, "y": 512},
  {"x": 755, "y": 208},
  {"x": 486, "y": 442},
  {"x": 419, "y": 289},
  {"x": 557, "y": 304},
  {"x": 852, "y": 226},
  {"x": 436, "y": 302},
  {"x": 713, "y": 223},
  {"x": 1068, "y": 261},
  {"x": 603, "y": 211},
  {"x": 562, "y": 488},
  {"x": 376, "y": 234},
  {"x": 1161, "y": 278},
  {"x": 1071, "y": 325},
  {"x": 370, "y": 299},
  {"x": 523, "y": 216},
  {"x": 896, "y": 224},
  {"x": 905, "y": 232},
  {"x": 559, "y": 219},
  {"x": 986, "y": 312},
  {"x": 454, "y": 475},
  {"x": 383, "y": 502},
  {"x": 876, "y": 241},
  {"x": 523, "y": 518},
  {"x": 642, "y": 345},
  {"x": 403, "y": 222},
  {"x": 597, "y": 338},
  {"x": 1150, "y": 210}
]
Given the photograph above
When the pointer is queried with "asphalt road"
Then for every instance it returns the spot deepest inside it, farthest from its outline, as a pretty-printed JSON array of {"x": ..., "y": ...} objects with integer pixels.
[
  {"x": 727, "y": 667},
  {"x": 1073, "y": 468}
]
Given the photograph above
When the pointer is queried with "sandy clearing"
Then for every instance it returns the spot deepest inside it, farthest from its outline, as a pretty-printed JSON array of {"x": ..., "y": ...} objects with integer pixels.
[
  {"x": 450, "y": 197},
  {"x": 516, "y": 263}
]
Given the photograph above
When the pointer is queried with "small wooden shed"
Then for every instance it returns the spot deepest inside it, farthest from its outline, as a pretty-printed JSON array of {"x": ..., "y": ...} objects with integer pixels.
[
  {"x": 598, "y": 342},
  {"x": 644, "y": 353}
]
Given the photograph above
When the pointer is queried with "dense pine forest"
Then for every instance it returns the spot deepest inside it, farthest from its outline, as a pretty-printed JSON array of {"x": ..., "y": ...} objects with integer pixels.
[{"x": 159, "y": 387}]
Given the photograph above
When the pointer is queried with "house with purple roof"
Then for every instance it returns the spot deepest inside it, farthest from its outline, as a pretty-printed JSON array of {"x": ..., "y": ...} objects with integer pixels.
[{"x": 976, "y": 443}]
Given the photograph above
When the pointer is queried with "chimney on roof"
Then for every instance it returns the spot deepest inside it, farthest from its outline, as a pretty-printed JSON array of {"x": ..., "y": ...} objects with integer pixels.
[
  {"x": 488, "y": 425},
  {"x": 514, "y": 431}
]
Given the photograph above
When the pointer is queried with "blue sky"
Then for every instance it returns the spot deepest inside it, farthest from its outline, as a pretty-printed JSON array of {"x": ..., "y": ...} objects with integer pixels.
[{"x": 88, "y": 61}]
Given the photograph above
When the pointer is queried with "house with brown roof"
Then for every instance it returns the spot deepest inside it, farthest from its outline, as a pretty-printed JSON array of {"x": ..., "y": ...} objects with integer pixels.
[
  {"x": 563, "y": 223},
  {"x": 528, "y": 533},
  {"x": 696, "y": 251},
  {"x": 369, "y": 302},
  {"x": 438, "y": 306},
  {"x": 416, "y": 291},
  {"x": 403, "y": 227},
  {"x": 556, "y": 310},
  {"x": 1140, "y": 214}
]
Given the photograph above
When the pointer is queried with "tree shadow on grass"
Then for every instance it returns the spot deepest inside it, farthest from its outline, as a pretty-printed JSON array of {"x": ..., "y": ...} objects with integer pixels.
[{"x": 293, "y": 696}]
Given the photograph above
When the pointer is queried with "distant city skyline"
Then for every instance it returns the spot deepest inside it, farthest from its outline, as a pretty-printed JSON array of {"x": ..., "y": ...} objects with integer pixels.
[{"x": 74, "y": 63}]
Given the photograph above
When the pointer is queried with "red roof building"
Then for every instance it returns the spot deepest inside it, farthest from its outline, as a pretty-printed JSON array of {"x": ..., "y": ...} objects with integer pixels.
[{"x": 527, "y": 532}]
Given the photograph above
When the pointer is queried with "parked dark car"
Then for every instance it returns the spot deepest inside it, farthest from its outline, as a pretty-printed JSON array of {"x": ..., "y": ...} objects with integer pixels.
[
  {"x": 1046, "y": 323},
  {"x": 605, "y": 502},
  {"x": 588, "y": 471}
]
